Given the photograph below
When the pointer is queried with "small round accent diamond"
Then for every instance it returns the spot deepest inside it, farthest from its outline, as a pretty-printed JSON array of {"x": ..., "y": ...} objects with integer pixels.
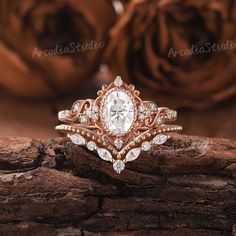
[
  {"x": 83, "y": 119},
  {"x": 92, "y": 113},
  {"x": 171, "y": 114},
  {"x": 118, "y": 143},
  {"x": 146, "y": 146},
  {"x": 118, "y": 81},
  {"x": 152, "y": 106},
  {"x": 77, "y": 106},
  {"x": 142, "y": 108},
  {"x": 145, "y": 111},
  {"x": 63, "y": 114},
  {"x": 141, "y": 116},
  {"x": 91, "y": 145},
  {"x": 118, "y": 166},
  {"x": 159, "y": 120}
]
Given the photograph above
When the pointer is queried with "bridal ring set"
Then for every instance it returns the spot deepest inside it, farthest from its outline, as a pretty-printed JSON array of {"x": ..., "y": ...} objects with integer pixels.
[{"x": 118, "y": 125}]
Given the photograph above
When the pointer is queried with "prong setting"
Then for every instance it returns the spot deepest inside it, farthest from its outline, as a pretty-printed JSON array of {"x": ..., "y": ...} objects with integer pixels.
[{"x": 117, "y": 125}]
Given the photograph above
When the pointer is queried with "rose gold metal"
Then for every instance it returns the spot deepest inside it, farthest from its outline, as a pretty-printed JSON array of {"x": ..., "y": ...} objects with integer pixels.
[{"x": 95, "y": 129}]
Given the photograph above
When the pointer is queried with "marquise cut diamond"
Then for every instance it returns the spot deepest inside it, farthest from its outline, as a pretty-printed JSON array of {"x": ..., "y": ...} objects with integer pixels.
[
  {"x": 77, "y": 139},
  {"x": 104, "y": 154},
  {"x": 132, "y": 154},
  {"x": 160, "y": 139}
]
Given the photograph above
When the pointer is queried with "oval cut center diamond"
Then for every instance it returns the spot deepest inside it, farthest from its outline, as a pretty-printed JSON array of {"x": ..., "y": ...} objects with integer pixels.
[{"x": 118, "y": 112}]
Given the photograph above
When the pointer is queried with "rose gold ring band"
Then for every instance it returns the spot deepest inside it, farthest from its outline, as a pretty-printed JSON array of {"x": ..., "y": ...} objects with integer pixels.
[{"x": 118, "y": 125}]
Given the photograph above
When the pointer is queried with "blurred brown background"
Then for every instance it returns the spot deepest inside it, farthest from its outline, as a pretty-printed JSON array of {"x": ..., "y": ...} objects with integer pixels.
[{"x": 182, "y": 54}]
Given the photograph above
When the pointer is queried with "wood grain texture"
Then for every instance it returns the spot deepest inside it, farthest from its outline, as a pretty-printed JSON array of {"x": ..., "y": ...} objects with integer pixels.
[{"x": 52, "y": 187}]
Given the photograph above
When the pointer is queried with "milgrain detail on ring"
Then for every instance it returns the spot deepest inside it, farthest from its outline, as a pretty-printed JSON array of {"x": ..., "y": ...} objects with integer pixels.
[{"x": 118, "y": 125}]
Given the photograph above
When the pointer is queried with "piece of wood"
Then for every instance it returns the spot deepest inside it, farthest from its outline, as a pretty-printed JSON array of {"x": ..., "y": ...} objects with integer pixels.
[{"x": 184, "y": 187}]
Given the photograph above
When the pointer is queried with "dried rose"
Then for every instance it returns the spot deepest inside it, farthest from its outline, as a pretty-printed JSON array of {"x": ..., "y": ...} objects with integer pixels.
[
  {"x": 180, "y": 53},
  {"x": 48, "y": 48}
]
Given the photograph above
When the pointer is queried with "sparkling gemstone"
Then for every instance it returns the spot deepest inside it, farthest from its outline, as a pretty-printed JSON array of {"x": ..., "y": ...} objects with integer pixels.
[
  {"x": 118, "y": 143},
  {"x": 141, "y": 108},
  {"x": 118, "y": 81},
  {"x": 88, "y": 112},
  {"x": 152, "y": 106},
  {"x": 171, "y": 114},
  {"x": 160, "y": 139},
  {"x": 93, "y": 113},
  {"x": 118, "y": 166},
  {"x": 141, "y": 116},
  {"x": 148, "y": 112},
  {"x": 132, "y": 154},
  {"x": 77, "y": 139},
  {"x": 94, "y": 117},
  {"x": 76, "y": 106},
  {"x": 91, "y": 145},
  {"x": 159, "y": 120},
  {"x": 63, "y": 114},
  {"x": 83, "y": 119},
  {"x": 144, "y": 111},
  {"x": 104, "y": 154},
  {"x": 118, "y": 112},
  {"x": 146, "y": 146},
  {"x": 95, "y": 109}
]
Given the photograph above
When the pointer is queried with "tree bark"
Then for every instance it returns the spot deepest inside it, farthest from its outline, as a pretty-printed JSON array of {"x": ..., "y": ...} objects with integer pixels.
[{"x": 185, "y": 187}]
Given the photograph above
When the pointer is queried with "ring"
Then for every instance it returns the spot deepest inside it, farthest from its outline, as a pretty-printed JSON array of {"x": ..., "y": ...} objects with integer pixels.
[{"x": 118, "y": 125}]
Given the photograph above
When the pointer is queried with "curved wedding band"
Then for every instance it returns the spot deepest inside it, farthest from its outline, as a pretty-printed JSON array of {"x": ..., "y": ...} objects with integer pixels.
[{"x": 118, "y": 125}]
